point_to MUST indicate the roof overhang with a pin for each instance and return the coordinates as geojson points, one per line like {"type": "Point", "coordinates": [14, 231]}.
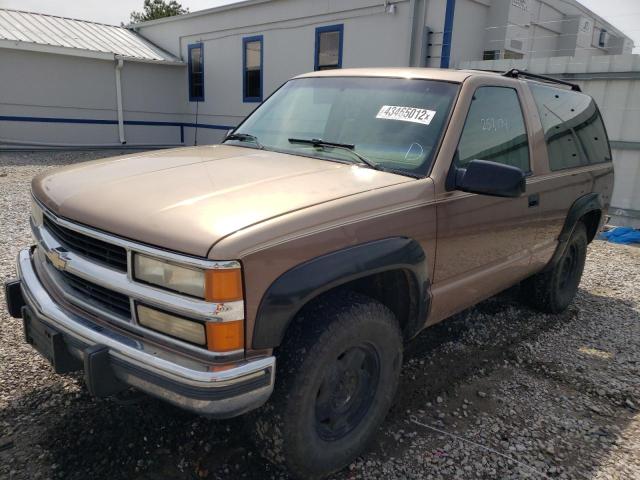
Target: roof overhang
{"type": "Point", "coordinates": [79, 52]}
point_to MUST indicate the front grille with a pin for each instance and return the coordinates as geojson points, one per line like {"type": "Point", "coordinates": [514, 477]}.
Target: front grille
{"type": "Point", "coordinates": [103, 252]}
{"type": "Point", "coordinates": [103, 297]}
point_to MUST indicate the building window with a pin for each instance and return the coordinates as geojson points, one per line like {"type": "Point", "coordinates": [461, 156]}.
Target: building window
{"type": "Point", "coordinates": [252, 56]}
{"type": "Point", "coordinates": [491, 55]}
{"type": "Point", "coordinates": [329, 47]}
{"type": "Point", "coordinates": [602, 39]}
{"type": "Point", "coordinates": [196, 73]}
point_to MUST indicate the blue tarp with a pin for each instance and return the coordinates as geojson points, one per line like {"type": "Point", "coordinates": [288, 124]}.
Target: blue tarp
{"type": "Point", "coordinates": [624, 235]}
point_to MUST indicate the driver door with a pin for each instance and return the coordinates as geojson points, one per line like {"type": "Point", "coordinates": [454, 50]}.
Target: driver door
{"type": "Point", "coordinates": [484, 242]}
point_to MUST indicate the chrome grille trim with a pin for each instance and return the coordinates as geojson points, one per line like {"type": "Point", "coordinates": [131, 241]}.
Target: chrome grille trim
{"type": "Point", "coordinates": [45, 270]}
{"type": "Point", "coordinates": [116, 302]}
{"type": "Point", "coordinates": [92, 248]}
{"type": "Point", "coordinates": [121, 282]}
{"type": "Point", "coordinates": [52, 275]}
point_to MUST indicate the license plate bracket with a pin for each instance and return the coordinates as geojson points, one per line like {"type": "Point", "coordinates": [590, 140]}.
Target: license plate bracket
{"type": "Point", "coordinates": [49, 343]}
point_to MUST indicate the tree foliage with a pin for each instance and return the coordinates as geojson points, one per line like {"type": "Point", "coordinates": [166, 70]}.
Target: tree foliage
{"type": "Point", "coordinates": [154, 9]}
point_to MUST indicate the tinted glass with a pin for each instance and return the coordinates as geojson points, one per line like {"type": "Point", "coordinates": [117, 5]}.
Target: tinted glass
{"type": "Point", "coordinates": [396, 123]}
{"type": "Point", "coordinates": [253, 69]}
{"type": "Point", "coordinates": [573, 127]}
{"type": "Point", "coordinates": [494, 129]}
{"type": "Point", "coordinates": [196, 74]}
{"type": "Point", "coordinates": [328, 50]}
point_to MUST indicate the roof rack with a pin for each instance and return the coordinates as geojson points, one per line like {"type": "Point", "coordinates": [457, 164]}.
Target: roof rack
{"type": "Point", "coordinates": [515, 73]}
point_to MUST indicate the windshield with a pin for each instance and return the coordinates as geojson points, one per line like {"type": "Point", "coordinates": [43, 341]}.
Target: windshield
{"type": "Point", "coordinates": [394, 124]}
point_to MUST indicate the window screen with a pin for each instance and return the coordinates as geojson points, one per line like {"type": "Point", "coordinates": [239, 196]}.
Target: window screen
{"type": "Point", "coordinates": [196, 73]}
{"type": "Point", "coordinates": [573, 127]}
{"type": "Point", "coordinates": [252, 55]}
{"type": "Point", "coordinates": [494, 129]}
{"type": "Point", "coordinates": [491, 55]}
{"type": "Point", "coordinates": [329, 47]}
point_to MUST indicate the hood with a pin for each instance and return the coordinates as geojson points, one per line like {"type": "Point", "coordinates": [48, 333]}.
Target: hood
{"type": "Point", "coordinates": [187, 199]}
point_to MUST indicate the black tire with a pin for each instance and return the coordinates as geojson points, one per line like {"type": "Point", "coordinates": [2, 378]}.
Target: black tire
{"type": "Point", "coordinates": [337, 374]}
{"type": "Point", "coordinates": [552, 290]}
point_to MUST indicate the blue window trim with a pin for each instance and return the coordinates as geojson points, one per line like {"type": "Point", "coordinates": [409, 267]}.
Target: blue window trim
{"type": "Point", "coordinates": [447, 35]}
{"type": "Point", "coordinates": [330, 28]}
{"type": "Point", "coordinates": [199, 45]}
{"type": "Point", "coordinates": [245, 40]}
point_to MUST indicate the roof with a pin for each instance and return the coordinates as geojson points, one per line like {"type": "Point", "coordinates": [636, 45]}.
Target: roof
{"type": "Point", "coordinates": [49, 33]}
{"type": "Point", "coordinates": [447, 75]}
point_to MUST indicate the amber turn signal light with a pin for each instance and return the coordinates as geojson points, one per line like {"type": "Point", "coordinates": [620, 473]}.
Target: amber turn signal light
{"type": "Point", "coordinates": [225, 336]}
{"type": "Point", "coordinates": [223, 285]}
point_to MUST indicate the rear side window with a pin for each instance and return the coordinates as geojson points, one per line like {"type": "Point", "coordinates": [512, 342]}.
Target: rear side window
{"type": "Point", "coordinates": [573, 128]}
{"type": "Point", "coordinates": [494, 129]}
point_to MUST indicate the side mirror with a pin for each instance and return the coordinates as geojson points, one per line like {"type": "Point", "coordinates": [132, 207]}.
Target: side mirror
{"type": "Point", "coordinates": [489, 178]}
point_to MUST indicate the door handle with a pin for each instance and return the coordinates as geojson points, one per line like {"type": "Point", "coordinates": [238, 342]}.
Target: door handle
{"type": "Point", "coordinates": [534, 200]}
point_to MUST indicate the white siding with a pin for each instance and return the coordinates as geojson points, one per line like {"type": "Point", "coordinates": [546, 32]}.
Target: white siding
{"type": "Point", "coordinates": [372, 37]}
{"type": "Point", "coordinates": [62, 87]}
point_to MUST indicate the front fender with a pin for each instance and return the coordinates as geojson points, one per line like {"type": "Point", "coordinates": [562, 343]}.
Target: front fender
{"type": "Point", "coordinates": [294, 288]}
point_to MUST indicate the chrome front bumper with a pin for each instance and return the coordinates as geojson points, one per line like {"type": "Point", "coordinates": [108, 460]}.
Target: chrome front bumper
{"type": "Point", "coordinates": [188, 383]}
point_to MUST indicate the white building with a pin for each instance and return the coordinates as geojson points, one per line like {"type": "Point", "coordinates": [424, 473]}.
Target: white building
{"type": "Point", "coordinates": [71, 82]}
{"type": "Point", "coordinates": [61, 77]}
{"type": "Point", "coordinates": [259, 44]}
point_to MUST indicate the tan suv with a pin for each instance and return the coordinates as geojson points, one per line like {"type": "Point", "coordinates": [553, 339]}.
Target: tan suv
{"type": "Point", "coordinates": [291, 263]}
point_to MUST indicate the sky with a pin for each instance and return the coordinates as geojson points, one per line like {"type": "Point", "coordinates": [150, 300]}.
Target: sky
{"type": "Point", "coordinates": [623, 14]}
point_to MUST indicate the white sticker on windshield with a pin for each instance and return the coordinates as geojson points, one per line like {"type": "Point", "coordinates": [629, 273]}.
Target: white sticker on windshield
{"type": "Point", "coordinates": [406, 114]}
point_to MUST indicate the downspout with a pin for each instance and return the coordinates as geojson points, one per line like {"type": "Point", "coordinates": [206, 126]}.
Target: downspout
{"type": "Point", "coordinates": [119, 65]}
{"type": "Point", "coordinates": [413, 5]}
{"type": "Point", "coordinates": [447, 34]}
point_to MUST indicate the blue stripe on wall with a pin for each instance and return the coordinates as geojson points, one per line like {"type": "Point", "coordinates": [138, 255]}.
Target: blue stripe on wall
{"type": "Point", "coordinates": [448, 34]}
{"type": "Point", "coordinates": [93, 121]}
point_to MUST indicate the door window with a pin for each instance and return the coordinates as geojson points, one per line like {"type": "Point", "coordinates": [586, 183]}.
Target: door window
{"type": "Point", "coordinates": [494, 129]}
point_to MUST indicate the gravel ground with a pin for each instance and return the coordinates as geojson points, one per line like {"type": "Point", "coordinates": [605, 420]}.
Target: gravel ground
{"type": "Point", "coordinates": [500, 391]}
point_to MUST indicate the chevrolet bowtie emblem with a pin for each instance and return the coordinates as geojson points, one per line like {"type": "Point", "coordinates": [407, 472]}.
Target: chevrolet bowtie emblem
{"type": "Point", "coordinates": [58, 257]}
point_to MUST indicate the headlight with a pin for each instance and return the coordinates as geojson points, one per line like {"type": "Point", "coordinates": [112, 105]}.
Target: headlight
{"type": "Point", "coordinates": [193, 332]}
{"type": "Point", "coordinates": [168, 275]}
{"type": "Point", "coordinates": [215, 336]}
{"type": "Point", "coordinates": [217, 285]}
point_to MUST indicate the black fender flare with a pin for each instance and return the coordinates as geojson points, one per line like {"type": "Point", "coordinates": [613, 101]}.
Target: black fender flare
{"type": "Point", "coordinates": [293, 289]}
{"type": "Point", "coordinates": [587, 203]}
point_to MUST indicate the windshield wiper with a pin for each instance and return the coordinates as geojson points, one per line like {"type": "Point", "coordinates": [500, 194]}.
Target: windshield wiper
{"type": "Point", "coordinates": [319, 143]}
{"type": "Point", "coordinates": [245, 137]}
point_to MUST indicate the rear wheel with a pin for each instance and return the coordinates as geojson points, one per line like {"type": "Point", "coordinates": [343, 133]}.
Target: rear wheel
{"type": "Point", "coordinates": [337, 374]}
{"type": "Point", "coordinates": [553, 290]}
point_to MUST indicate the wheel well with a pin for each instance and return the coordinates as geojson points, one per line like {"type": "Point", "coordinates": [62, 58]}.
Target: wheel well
{"type": "Point", "coordinates": [591, 220]}
{"type": "Point", "coordinates": [397, 290]}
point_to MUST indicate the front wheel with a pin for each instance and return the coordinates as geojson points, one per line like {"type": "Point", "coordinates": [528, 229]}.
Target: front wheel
{"type": "Point", "coordinates": [338, 371]}
{"type": "Point", "coordinates": [553, 290]}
